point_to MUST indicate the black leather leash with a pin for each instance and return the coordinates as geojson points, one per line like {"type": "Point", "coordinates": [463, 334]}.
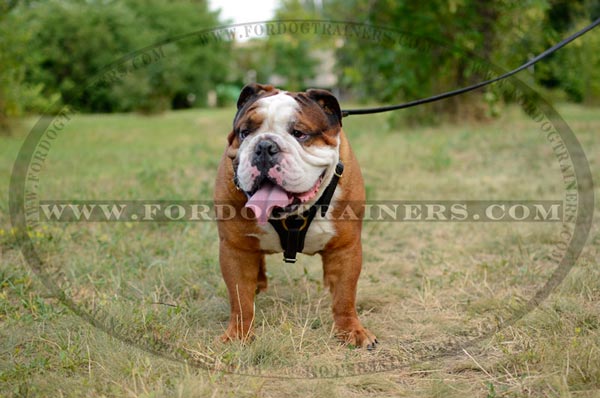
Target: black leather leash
{"type": "Point", "coordinates": [463, 90]}
{"type": "Point", "coordinates": [292, 229]}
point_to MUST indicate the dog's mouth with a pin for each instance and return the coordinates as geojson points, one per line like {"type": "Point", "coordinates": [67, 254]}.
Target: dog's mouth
{"type": "Point", "coordinates": [270, 198]}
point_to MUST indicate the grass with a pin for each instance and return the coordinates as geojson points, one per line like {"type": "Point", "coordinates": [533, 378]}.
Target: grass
{"type": "Point", "coordinates": [424, 287]}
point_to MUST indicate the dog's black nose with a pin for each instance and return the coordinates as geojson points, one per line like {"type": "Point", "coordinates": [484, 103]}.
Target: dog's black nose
{"type": "Point", "coordinates": [266, 148]}
{"type": "Point", "coordinates": [265, 154]}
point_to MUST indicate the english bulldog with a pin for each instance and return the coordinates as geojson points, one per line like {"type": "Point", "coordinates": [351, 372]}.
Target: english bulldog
{"type": "Point", "coordinates": [281, 157]}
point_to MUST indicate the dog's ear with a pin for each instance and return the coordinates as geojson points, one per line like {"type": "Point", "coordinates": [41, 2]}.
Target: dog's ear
{"type": "Point", "coordinates": [252, 91]}
{"type": "Point", "coordinates": [328, 103]}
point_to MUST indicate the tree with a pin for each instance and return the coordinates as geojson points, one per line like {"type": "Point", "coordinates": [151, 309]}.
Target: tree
{"type": "Point", "coordinates": [73, 41]}
{"type": "Point", "coordinates": [575, 69]}
{"type": "Point", "coordinates": [454, 39]}
{"type": "Point", "coordinates": [436, 46]}
{"type": "Point", "coordinates": [16, 95]}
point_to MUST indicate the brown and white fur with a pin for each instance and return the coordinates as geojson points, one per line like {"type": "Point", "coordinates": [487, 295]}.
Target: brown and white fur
{"type": "Point", "coordinates": [305, 135]}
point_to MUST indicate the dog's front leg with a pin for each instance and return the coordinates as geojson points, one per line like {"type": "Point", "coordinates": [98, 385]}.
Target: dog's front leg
{"type": "Point", "coordinates": [341, 269]}
{"type": "Point", "coordinates": [240, 269]}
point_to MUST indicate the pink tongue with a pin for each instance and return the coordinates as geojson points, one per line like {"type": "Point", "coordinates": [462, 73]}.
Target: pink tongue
{"type": "Point", "coordinates": [267, 197]}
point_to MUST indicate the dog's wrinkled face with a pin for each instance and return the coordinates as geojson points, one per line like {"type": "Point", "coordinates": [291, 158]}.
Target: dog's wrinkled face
{"type": "Point", "coordinates": [284, 147]}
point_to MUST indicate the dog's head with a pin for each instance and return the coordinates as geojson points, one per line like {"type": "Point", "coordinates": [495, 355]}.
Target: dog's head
{"type": "Point", "coordinates": [284, 147]}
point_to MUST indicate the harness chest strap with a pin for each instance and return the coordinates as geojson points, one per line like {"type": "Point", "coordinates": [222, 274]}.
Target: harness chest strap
{"type": "Point", "coordinates": [292, 229]}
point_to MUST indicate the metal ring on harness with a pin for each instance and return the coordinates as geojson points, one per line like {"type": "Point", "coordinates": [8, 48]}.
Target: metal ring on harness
{"type": "Point", "coordinates": [283, 222]}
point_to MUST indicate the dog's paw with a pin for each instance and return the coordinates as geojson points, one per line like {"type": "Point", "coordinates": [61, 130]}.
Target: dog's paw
{"type": "Point", "coordinates": [261, 285]}
{"type": "Point", "coordinates": [234, 333]}
{"type": "Point", "coordinates": [358, 336]}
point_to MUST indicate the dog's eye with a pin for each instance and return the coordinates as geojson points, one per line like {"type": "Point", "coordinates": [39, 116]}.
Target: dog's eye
{"type": "Point", "coordinates": [243, 134]}
{"type": "Point", "coordinates": [299, 135]}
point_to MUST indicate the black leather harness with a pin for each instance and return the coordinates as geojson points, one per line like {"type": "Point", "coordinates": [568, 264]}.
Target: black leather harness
{"type": "Point", "coordinates": [292, 229]}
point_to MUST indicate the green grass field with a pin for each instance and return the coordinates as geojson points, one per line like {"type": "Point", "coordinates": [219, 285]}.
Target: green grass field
{"type": "Point", "coordinates": [426, 287]}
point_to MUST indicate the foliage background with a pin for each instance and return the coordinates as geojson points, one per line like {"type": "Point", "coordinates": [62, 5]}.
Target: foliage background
{"type": "Point", "coordinates": [50, 48]}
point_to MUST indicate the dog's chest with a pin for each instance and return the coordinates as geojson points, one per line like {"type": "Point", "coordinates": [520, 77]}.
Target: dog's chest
{"type": "Point", "coordinates": [318, 235]}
